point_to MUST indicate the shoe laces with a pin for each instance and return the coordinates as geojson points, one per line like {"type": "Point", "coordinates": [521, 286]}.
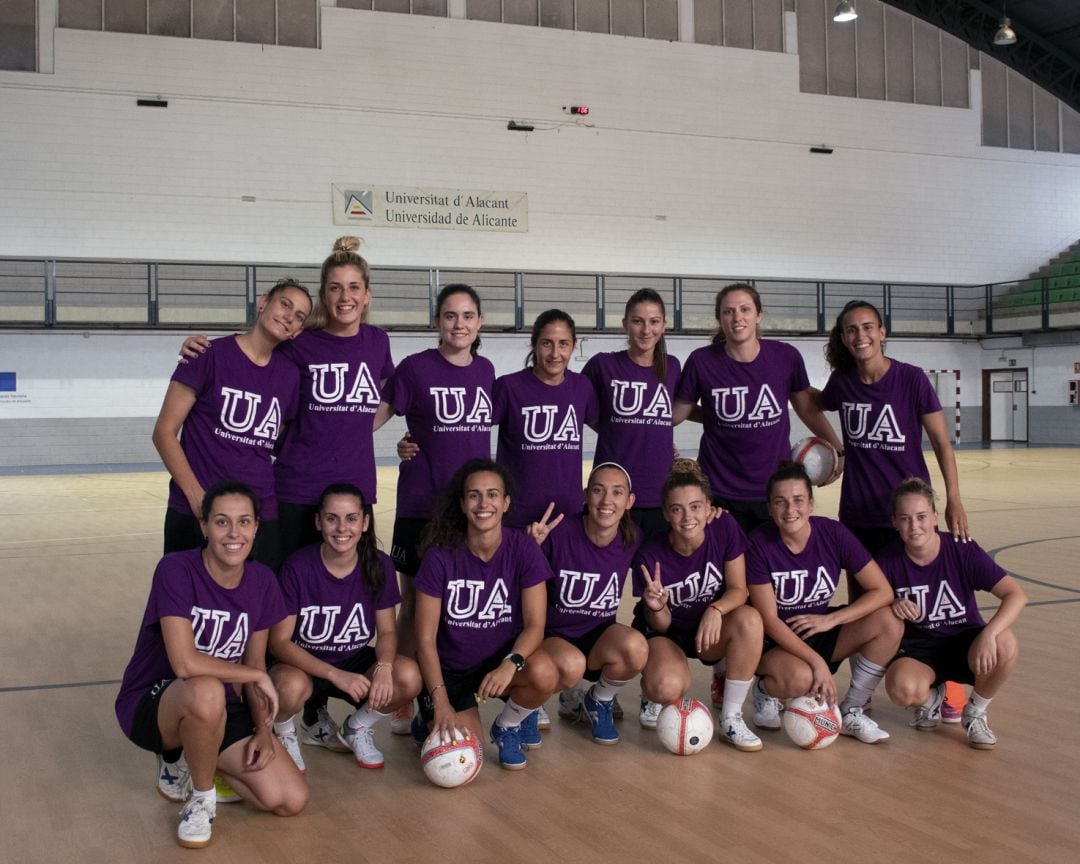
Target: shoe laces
{"type": "Point", "coordinates": [197, 811]}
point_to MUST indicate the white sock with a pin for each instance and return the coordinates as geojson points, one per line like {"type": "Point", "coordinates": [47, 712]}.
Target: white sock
{"type": "Point", "coordinates": [979, 704]}
{"type": "Point", "coordinates": [734, 696]}
{"type": "Point", "coordinates": [365, 716]}
{"type": "Point", "coordinates": [865, 677]}
{"type": "Point", "coordinates": [512, 715]}
{"type": "Point", "coordinates": [606, 689]}
{"type": "Point", "coordinates": [284, 727]}
{"type": "Point", "coordinates": [210, 794]}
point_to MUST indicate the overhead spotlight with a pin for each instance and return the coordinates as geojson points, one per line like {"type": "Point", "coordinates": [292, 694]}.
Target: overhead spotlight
{"type": "Point", "coordinates": [1005, 35]}
{"type": "Point", "coordinates": [845, 11]}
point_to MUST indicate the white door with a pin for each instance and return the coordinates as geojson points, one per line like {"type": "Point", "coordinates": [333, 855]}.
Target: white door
{"type": "Point", "coordinates": [1008, 405]}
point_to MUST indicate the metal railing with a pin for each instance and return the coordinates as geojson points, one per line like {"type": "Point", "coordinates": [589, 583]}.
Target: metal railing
{"type": "Point", "coordinates": [92, 294]}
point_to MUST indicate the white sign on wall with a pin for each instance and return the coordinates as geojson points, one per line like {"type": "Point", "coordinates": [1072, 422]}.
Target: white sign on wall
{"type": "Point", "coordinates": [417, 207]}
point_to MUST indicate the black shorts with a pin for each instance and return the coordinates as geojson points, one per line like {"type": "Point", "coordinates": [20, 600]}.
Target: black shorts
{"type": "Point", "coordinates": [749, 514]}
{"type": "Point", "coordinates": [462, 684]}
{"type": "Point", "coordinates": [360, 663]}
{"type": "Point", "coordinates": [405, 545]}
{"type": "Point", "coordinates": [183, 532]}
{"type": "Point", "coordinates": [296, 526]}
{"type": "Point", "coordinates": [684, 638]}
{"type": "Point", "coordinates": [146, 734]}
{"type": "Point", "coordinates": [649, 520]}
{"type": "Point", "coordinates": [946, 655]}
{"type": "Point", "coordinates": [585, 643]}
{"type": "Point", "coordinates": [823, 644]}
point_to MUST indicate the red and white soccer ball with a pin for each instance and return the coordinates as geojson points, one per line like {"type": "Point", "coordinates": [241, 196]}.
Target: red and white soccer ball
{"type": "Point", "coordinates": [451, 760]}
{"type": "Point", "coordinates": [818, 458]}
{"type": "Point", "coordinates": [685, 727]}
{"type": "Point", "coordinates": [811, 724]}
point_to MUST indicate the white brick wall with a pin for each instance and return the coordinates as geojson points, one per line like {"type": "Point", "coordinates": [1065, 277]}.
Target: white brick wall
{"type": "Point", "coordinates": [714, 139]}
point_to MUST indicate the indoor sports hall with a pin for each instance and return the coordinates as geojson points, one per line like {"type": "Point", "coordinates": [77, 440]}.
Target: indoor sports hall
{"type": "Point", "coordinates": [165, 163]}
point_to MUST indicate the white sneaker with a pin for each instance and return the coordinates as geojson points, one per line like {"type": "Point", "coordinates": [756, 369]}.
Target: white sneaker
{"type": "Point", "coordinates": [649, 713]}
{"type": "Point", "coordinates": [287, 738]}
{"type": "Point", "coordinates": [929, 715]}
{"type": "Point", "coordinates": [858, 725]}
{"type": "Point", "coordinates": [978, 729]}
{"type": "Point", "coordinates": [195, 821]}
{"type": "Point", "coordinates": [734, 731]}
{"type": "Point", "coordinates": [401, 720]}
{"type": "Point", "coordinates": [766, 709]}
{"type": "Point", "coordinates": [173, 779]}
{"type": "Point", "coordinates": [323, 733]}
{"type": "Point", "coordinates": [569, 703]}
{"type": "Point", "coordinates": [362, 745]}
{"type": "Point", "coordinates": [543, 721]}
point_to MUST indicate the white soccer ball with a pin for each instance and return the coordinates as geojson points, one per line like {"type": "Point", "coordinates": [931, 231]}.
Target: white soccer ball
{"type": "Point", "coordinates": [685, 727]}
{"type": "Point", "coordinates": [817, 456]}
{"type": "Point", "coordinates": [811, 724]}
{"type": "Point", "coordinates": [451, 760]}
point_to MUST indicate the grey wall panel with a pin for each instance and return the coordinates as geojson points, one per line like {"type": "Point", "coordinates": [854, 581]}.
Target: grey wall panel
{"type": "Point", "coordinates": [1047, 128]}
{"type": "Point", "coordinates": [1021, 111]}
{"type": "Point", "coordinates": [1070, 130]}
{"type": "Point", "coordinates": [521, 12]}
{"type": "Point", "coordinates": [955, 78]}
{"type": "Point", "coordinates": [125, 16]}
{"type": "Point", "coordinates": [80, 14]}
{"type": "Point", "coordinates": [927, 53]}
{"type": "Point", "coordinates": [840, 41]}
{"type": "Point", "coordinates": [870, 50]}
{"type": "Point", "coordinates": [255, 21]}
{"type": "Point", "coordinates": [739, 23]}
{"type": "Point", "coordinates": [662, 19]}
{"type": "Point", "coordinates": [995, 113]}
{"type": "Point", "coordinates": [298, 23]}
{"type": "Point", "coordinates": [557, 13]}
{"type": "Point", "coordinates": [769, 25]}
{"type": "Point", "coordinates": [213, 19]}
{"type": "Point", "coordinates": [593, 16]}
{"type": "Point", "coordinates": [627, 18]}
{"type": "Point", "coordinates": [708, 22]}
{"type": "Point", "coordinates": [170, 17]}
{"type": "Point", "coordinates": [899, 63]}
{"type": "Point", "coordinates": [811, 34]}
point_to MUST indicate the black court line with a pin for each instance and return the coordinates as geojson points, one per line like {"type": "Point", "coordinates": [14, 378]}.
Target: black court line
{"type": "Point", "coordinates": [58, 686]}
{"type": "Point", "coordinates": [993, 553]}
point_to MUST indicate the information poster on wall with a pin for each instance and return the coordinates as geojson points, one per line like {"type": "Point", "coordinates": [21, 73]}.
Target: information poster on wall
{"type": "Point", "coordinates": [419, 207]}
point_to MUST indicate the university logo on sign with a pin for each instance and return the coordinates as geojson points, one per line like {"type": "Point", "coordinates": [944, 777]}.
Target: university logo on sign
{"type": "Point", "coordinates": [358, 203]}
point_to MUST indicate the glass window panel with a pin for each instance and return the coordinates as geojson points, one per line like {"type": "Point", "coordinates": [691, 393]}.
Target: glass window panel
{"type": "Point", "coordinates": [255, 21]}
{"type": "Point", "coordinates": [80, 14]}
{"type": "Point", "coordinates": [954, 72]}
{"type": "Point", "coordinates": [769, 25]}
{"type": "Point", "coordinates": [557, 13]}
{"type": "Point", "coordinates": [592, 16]}
{"type": "Point", "coordinates": [484, 10]}
{"type": "Point", "coordinates": [810, 19]}
{"type": "Point", "coordinates": [125, 16]}
{"type": "Point", "coordinates": [1046, 121]}
{"type": "Point", "coordinates": [1021, 111]}
{"type": "Point", "coordinates": [708, 22]}
{"type": "Point", "coordinates": [520, 12]}
{"type": "Point", "coordinates": [662, 19]}
{"type": "Point", "coordinates": [995, 112]}
{"type": "Point", "coordinates": [870, 51]}
{"type": "Point", "coordinates": [927, 52]}
{"type": "Point", "coordinates": [739, 23]}
{"type": "Point", "coordinates": [298, 23]}
{"type": "Point", "coordinates": [18, 36]}
{"type": "Point", "coordinates": [170, 17]}
{"type": "Point", "coordinates": [213, 19]}
{"type": "Point", "coordinates": [628, 17]}
{"type": "Point", "coordinates": [841, 44]}
{"type": "Point", "coordinates": [899, 65]}
{"type": "Point", "coordinates": [429, 7]}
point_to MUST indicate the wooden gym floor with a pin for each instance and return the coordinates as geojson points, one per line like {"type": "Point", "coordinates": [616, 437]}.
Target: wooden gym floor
{"type": "Point", "coordinates": [78, 551]}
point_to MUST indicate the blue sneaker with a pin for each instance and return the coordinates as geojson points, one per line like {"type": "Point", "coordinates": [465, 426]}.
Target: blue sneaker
{"type": "Point", "coordinates": [419, 729]}
{"type": "Point", "coordinates": [511, 756]}
{"type": "Point", "coordinates": [600, 715]}
{"type": "Point", "coordinates": [530, 731]}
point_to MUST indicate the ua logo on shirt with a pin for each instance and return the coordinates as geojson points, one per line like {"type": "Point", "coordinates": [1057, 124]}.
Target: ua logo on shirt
{"type": "Point", "coordinates": [885, 428]}
{"type": "Point", "coordinates": [328, 384]}
{"type": "Point", "coordinates": [450, 406]}
{"type": "Point", "coordinates": [792, 588]}
{"type": "Point", "coordinates": [628, 400]}
{"type": "Point", "coordinates": [240, 414]}
{"type": "Point", "coordinates": [317, 625]}
{"type": "Point", "coordinates": [946, 606]}
{"type": "Point", "coordinates": [697, 586]}
{"type": "Point", "coordinates": [541, 423]}
{"type": "Point", "coordinates": [467, 599]}
{"type": "Point", "coordinates": [730, 404]}
{"type": "Point", "coordinates": [214, 635]}
{"type": "Point", "coordinates": [576, 591]}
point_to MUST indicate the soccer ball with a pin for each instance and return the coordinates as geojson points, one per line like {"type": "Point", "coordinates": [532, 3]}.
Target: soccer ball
{"type": "Point", "coordinates": [817, 456]}
{"type": "Point", "coordinates": [451, 760]}
{"type": "Point", "coordinates": [685, 727]}
{"type": "Point", "coordinates": [811, 724]}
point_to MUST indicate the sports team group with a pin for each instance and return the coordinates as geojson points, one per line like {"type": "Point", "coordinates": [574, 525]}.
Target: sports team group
{"type": "Point", "coordinates": [505, 577]}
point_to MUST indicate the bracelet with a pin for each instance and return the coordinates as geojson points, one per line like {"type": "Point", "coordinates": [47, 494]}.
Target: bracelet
{"type": "Point", "coordinates": [383, 665]}
{"type": "Point", "coordinates": [716, 608]}
{"type": "Point", "coordinates": [431, 692]}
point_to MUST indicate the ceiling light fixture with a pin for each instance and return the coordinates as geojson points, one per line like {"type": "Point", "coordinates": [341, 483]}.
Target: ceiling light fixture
{"type": "Point", "coordinates": [845, 11]}
{"type": "Point", "coordinates": [1005, 34]}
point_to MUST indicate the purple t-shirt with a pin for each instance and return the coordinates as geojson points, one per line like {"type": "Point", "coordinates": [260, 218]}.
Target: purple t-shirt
{"type": "Point", "coordinates": [882, 426]}
{"type": "Point", "coordinates": [240, 410]}
{"type": "Point", "coordinates": [944, 590]}
{"type": "Point", "coordinates": [635, 420]}
{"type": "Point", "coordinates": [222, 619]}
{"type": "Point", "coordinates": [331, 440]}
{"type": "Point", "coordinates": [744, 413]}
{"type": "Point", "coordinates": [540, 429]}
{"type": "Point", "coordinates": [481, 600]}
{"type": "Point", "coordinates": [694, 580]}
{"type": "Point", "coordinates": [588, 582]}
{"type": "Point", "coordinates": [804, 582]}
{"type": "Point", "coordinates": [335, 618]}
{"type": "Point", "coordinates": [447, 409]}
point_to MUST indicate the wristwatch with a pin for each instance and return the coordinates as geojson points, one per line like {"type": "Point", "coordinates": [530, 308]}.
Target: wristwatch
{"type": "Point", "coordinates": [517, 660]}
